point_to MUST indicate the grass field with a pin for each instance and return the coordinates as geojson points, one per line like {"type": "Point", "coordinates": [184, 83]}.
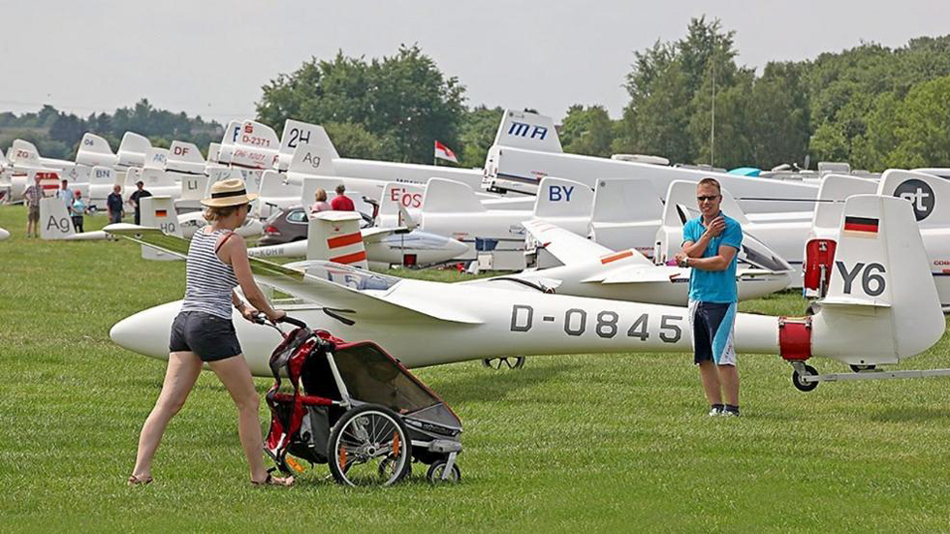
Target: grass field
{"type": "Point", "coordinates": [570, 443]}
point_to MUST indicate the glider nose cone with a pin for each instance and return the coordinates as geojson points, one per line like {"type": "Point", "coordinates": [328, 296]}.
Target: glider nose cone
{"type": "Point", "coordinates": [146, 332]}
{"type": "Point", "coordinates": [455, 247]}
{"type": "Point", "coordinates": [123, 333]}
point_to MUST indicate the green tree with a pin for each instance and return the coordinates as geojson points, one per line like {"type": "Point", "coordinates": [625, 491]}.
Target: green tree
{"type": "Point", "coordinates": [924, 127]}
{"type": "Point", "coordinates": [477, 133]}
{"type": "Point", "coordinates": [404, 100]}
{"type": "Point", "coordinates": [733, 142]}
{"type": "Point", "coordinates": [669, 86]}
{"type": "Point", "coordinates": [353, 141]}
{"type": "Point", "coordinates": [778, 116]}
{"type": "Point", "coordinates": [587, 131]}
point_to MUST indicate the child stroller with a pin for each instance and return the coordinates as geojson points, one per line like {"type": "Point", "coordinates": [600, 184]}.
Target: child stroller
{"type": "Point", "coordinates": [358, 409]}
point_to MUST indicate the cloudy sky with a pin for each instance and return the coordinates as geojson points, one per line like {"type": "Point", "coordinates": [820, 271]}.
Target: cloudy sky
{"type": "Point", "coordinates": [211, 57]}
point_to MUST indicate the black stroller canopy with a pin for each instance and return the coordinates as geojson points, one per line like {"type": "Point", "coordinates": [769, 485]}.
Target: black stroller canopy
{"type": "Point", "coordinates": [373, 376]}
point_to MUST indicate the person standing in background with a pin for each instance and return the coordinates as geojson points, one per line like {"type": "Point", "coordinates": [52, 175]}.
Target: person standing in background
{"type": "Point", "coordinates": [31, 198]}
{"type": "Point", "coordinates": [78, 210]}
{"type": "Point", "coordinates": [66, 194]}
{"type": "Point", "coordinates": [341, 202]}
{"type": "Point", "coordinates": [711, 243]}
{"type": "Point", "coordinates": [114, 205]}
{"type": "Point", "coordinates": [320, 201]}
{"type": "Point", "coordinates": [134, 198]}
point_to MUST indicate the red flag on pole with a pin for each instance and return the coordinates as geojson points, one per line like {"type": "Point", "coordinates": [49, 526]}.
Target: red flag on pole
{"type": "Point", "coordinates": [444, 152]}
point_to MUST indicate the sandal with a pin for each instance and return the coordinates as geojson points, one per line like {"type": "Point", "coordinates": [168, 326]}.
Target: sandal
{"type": "Point", "coordinates": [271, 481]}
{"type": "Point", "coordinates": [136, 481]}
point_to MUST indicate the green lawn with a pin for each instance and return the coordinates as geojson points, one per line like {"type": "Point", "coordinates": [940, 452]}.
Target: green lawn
{"type": "Point", "coordinates": [570, 443]}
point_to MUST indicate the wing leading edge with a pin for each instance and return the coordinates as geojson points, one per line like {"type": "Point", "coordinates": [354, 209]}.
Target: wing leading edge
{"type": "Point", "coordinates": [295, 280]}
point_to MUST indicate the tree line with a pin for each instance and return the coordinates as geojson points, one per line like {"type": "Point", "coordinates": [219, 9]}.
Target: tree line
{"type": "Point", "coordinates": [57, 134]}
{"type": "Point", "coordinates": [689, 101]}
{"type": "Point", "coordinates": [872, 106]}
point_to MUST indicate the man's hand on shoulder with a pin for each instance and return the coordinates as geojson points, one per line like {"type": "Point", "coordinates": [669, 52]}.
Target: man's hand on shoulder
{"type": "Point", "coordinates": [716, 227]}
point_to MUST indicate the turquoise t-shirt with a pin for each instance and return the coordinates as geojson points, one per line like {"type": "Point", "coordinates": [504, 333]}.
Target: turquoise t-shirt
{"type": "Point", "coordinates": [79, 207]}
{"type": "Point", "coordinates": [714, 286]}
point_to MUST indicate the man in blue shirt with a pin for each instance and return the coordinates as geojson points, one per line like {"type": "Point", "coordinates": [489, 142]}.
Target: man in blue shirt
{"type": "Point", "coordinates": [710, 244]}
{"type": "Point", "coordinates": [114, 205]}
{"type": "Point", "coordinates": [66, 195]}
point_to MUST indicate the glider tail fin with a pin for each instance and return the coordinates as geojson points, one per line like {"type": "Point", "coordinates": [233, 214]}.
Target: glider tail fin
{"type": "Point", "coordinates": [335, 236]}
{"type": "Point", "coordinates": [95, 150]}
{"type": "Point", "coordinates": [531, 131]}
{"type": "Point", "coordinates": [159, 212]}
{"type": "Point", "coordinates": [55, 222]}
{"type": "Point", "coordinates": [449, 196]}
{"type": "Point", "coordinates": [558, 197]}
{"type": "Point", "coordinates": [398, 198]}
{"type": "Point", "coordinates": [881, 291]}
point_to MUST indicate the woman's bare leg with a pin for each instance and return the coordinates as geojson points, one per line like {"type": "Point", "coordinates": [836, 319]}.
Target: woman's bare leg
{"type": "Point", "coordinates": [236, 377]}
{"type": "Point", "coordinates": [180, 377]}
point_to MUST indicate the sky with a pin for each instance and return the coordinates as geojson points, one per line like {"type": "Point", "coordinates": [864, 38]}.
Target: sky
{"type": "Point", "coordinates": [211, 57]}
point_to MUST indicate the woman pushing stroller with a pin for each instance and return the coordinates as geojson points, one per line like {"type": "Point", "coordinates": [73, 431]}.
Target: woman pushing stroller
{"type": "Point", "coordinates": [203, 333]}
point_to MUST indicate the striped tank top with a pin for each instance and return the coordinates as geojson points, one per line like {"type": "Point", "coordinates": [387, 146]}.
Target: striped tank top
{"type": "Point", "coordinates": [209, 280]}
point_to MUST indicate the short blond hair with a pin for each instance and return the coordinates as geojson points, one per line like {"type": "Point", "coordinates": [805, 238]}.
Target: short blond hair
{"type": "Point", "coordinates": [710, 181]}
{"type": "Point", "coordinates": [320, 195]}
{"type": "Point", "coordinates": [214, 214]}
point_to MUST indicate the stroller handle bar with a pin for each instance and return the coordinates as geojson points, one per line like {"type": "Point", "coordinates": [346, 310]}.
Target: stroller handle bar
{"type": "Point", "coordinates": [290, 320]}
{"type": "Point", "coordinates": [260, 318]}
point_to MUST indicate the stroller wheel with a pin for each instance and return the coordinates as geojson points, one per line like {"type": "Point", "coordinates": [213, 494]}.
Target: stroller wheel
{"type": "Point", "coordinates": [369, 446]}
{"type": "Point", "coordinates": [386, 466]}
{"type": "Point", "coordinates": [437, 470]}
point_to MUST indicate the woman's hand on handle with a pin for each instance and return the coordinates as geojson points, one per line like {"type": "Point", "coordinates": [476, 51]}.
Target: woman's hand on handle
{"type": "Point", "coordinates": [249, 313]}
{"type": "Point", "coordinates": [276, 315]}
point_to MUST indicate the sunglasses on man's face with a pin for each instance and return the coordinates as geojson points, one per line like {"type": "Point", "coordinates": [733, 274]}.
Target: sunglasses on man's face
{"type": "Point", "coordinates": [704, 198]}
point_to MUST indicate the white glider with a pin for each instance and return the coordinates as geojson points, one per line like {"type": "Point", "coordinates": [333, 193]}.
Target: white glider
{"type": "Point", "coordinates": [881, 308]}
{"type": "Point", "coordinates": [336, 236]}
{"type": "Point", "coordinates": [592, 270]}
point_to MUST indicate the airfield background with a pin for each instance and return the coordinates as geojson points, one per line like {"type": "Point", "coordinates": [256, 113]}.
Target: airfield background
{"type": "Point", "coordinates": [873, 106]}
{"type": "Point", "coordinates": [582, 442]}
{"type": "Point", "coordinates": [569, 443]}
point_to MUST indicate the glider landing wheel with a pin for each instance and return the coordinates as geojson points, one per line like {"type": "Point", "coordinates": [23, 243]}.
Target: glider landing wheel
{"type": "Point", "coordinates": [513, 362]}
{"type": "Point", "coordinates": [860, 368]}
{"type": "Point", "coordinates": [436, 471]}
{"type": "Point", "coordinates": [797, 379]}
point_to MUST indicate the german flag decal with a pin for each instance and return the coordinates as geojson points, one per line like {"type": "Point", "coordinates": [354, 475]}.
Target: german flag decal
{"type": "Point", "coordinates": [161, 213]}
{"type": "Point", "coordinates": [860, 224]}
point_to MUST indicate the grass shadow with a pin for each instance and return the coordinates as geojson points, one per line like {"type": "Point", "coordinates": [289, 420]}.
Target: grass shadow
{"type": "Point", "coordinates": [492, 385]}
{"type": "Point", "coordinates": [910, 415]}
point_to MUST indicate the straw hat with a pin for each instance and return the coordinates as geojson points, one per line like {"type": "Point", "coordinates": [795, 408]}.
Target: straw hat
{"type": "Point", "coordinates": [228, 193]}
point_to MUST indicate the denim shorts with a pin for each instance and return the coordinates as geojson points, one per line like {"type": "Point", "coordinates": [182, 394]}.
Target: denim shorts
{"type": "Point", "coordinates": [210, 337]}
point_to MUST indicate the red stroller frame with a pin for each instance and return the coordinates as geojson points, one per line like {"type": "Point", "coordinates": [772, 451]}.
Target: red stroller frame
{"type": "Point", "coordinates": [356, 408]}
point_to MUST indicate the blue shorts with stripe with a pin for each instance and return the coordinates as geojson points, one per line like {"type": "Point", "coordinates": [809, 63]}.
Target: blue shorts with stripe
{"type": "Point", "coordinates": [713, 326]}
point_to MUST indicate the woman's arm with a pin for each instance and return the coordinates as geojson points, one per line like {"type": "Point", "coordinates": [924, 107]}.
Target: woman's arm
{"type": "Point", "coordinates": [234, 252]}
